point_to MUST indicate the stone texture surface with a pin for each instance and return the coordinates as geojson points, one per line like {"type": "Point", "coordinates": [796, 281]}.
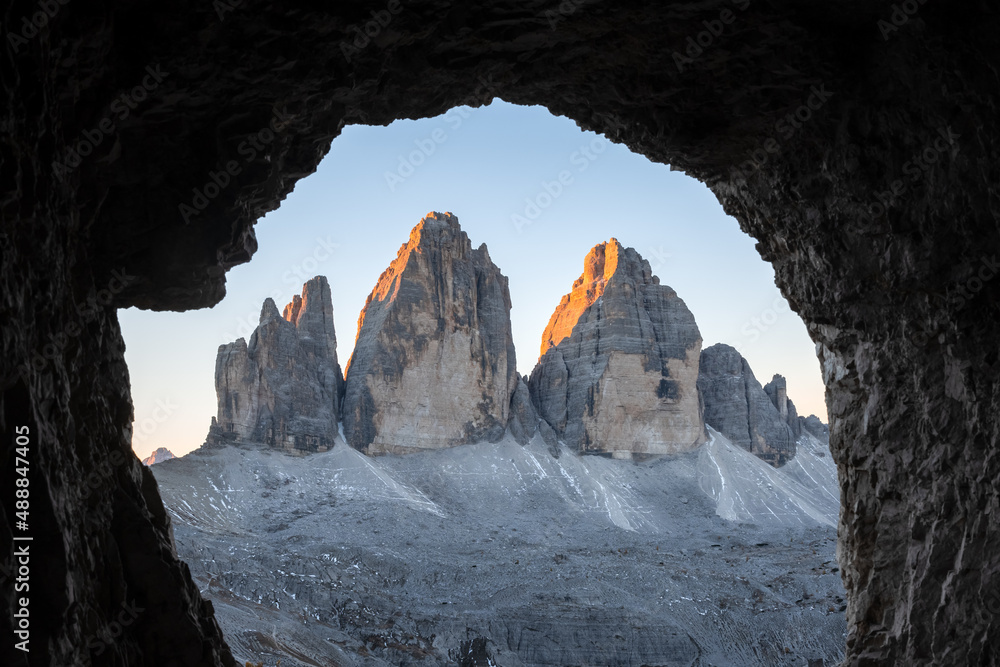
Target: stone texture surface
{"type": "Point", "coordinates": [339, 555]}
{"type": "Point", "coordinates": [777, 391]}
{"type": "Point", "coordinates": [889, 258]}
{"type": "Point", "coordinates": [739, 408]}
{"type": "Point", "coordinates": [815, 426]}
{"type": "Point", "coordinates": [523, 419]}
{"type": "Point", "coordinates": [619, 361]}
{"type": "Point", "coordinates": [434, 363]}
{"type": "Point", "coordinates": [284, 388]}
{"type": "Point", "coordinates": [159, 456]}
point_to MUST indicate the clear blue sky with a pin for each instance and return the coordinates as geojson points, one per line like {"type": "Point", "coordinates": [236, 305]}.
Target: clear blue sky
{"type": "Point", "coordinates": [490, 167]}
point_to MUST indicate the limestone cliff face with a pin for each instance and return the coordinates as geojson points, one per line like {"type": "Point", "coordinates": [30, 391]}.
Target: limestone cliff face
{"type": "Point", "coordinates": [434, 363]}
{"type": "Point", "coordinates": [284, 388]}
{"type": "Point", "coordinates": [751, 416]}
{"type": "Point", "coordinates": [523, 419]}
{"type": "Point", "coordinates": [777, 391]}
{"type": "Point", "coordinates": [619, 361]}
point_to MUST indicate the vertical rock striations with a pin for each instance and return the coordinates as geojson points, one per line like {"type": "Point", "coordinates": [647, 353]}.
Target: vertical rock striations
{"type": "Point", "coordinates": [284, 388]}
{"type": "Point", "coordinates": [619, 361]}
{"type": "Point", "coordinates": [777, 391]}
{"type": "Point", "coordinates": [523, 419]}
{"type": "Point", "coordinates": [434, 364]}
{"type": "Point", "coordinates": [740, 409]}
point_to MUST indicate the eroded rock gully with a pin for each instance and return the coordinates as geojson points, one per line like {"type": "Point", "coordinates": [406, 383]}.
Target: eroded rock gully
{"type": "Point", "coordinates": [856, 142]}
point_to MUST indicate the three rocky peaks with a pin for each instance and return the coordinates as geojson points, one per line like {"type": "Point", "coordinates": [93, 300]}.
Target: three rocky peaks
{"type": "Point", "coordinates": [621, 370]}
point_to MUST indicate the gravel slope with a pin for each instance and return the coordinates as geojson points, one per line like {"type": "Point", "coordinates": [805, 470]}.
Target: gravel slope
{"type": "Point", "coordinates": [497, 554]}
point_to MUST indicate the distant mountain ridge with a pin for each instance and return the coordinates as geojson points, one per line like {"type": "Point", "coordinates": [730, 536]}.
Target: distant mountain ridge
{"type": "Point", "coordinates": [621, 372]}
{"type": "Point", "coordinates": [159, 456]}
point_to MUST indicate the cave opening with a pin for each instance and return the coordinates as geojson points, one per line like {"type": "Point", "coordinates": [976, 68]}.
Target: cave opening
{"type": "Point", "coordinates": [539, 192]}
{"type": "Point", "coordinates": [876, 213]}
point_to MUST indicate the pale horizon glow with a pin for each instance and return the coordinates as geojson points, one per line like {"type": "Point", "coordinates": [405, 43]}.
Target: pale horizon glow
{"type": "Point", "coordinates": [538, 191]}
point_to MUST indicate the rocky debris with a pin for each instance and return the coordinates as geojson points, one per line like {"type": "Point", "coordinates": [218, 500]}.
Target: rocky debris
{"type": "Point", "coordinates": [344, 559]}
{"type": "Point", "coordinates": [284, 388]}
{"type": "Point", "coordinates": [619, 361]}
{"type": "Point", "coordinates": [739, 408]}
{"type": "Point", "coordinates": [434, 363]}
{"type": "Point", "coordinates": [159, 456]}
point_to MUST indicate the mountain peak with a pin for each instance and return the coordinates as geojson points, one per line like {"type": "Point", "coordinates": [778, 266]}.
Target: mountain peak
{"type": "Point", "coordinates": [433, 363]}
{"type": "Point", "coordinates": [619, 361]}
{"type": "Point", "coordinates": [159, 456]}
{"type": "Point", "coordinates": [268, 310]}
{"type": "Point", "coordinates": [284, 387]}
{"type": "Point", "coordinates": [601, 265]}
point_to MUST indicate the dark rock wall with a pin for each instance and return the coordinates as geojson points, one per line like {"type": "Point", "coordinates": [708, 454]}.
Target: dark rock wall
{"type": "Point", "coordinates": [856, 142]}
{"type": "Point", "coordinates": [105, 586]}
